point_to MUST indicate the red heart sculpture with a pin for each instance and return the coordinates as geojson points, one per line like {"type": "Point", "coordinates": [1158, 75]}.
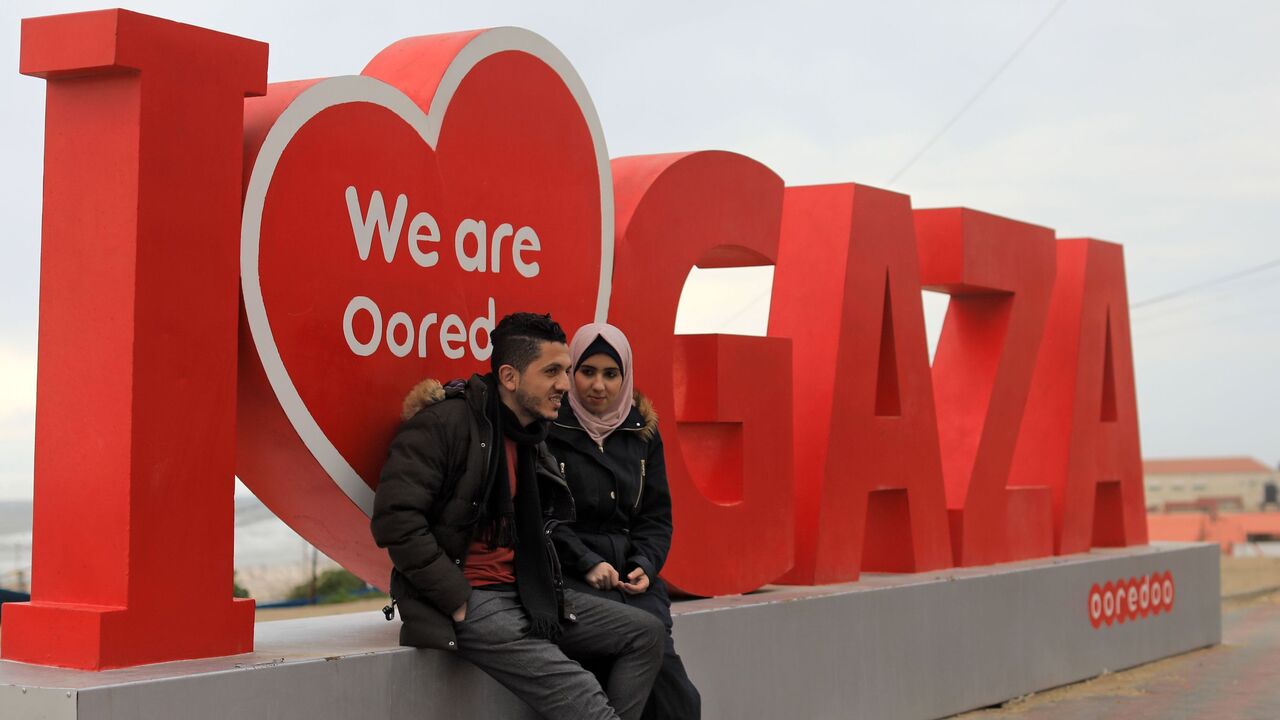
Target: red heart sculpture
{"type": "Point", "coordinates": [389, 220]}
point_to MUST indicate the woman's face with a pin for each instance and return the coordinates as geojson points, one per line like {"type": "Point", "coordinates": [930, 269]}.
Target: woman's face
{"type": "Point", "coordinates": [597, 382]}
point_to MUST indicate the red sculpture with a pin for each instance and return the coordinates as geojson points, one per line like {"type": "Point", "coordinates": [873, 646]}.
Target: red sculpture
{"type": "Point", "coordinates": [381, 224]}
{"type": "Point", "coordinates": [135, 436]}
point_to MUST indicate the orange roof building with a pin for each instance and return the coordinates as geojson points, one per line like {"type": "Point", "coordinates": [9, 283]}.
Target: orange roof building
{"type": "Point", "coordinates": [1209, 484]}
{"type": "Point", "coordinates": [1203, 466]}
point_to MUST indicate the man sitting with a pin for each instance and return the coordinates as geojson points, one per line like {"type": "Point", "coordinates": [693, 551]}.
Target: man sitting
{"type": "Point", "coordinates": [466, 506]}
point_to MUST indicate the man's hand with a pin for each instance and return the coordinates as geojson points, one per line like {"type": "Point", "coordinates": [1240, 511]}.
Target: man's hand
{"type": "Point", "coordinates": [639, 582]}
{"type": "Point", "coordinates": [602, 576]}
{"type": "Point", "coordinates": [460, 614]}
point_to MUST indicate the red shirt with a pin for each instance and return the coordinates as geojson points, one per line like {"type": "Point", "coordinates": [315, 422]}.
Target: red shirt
{"type": "Point", "coordinates": [486, 566]}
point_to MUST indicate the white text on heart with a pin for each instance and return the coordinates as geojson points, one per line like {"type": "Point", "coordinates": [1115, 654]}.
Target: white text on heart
{"type": "Point", "coordinates": [474, 248]}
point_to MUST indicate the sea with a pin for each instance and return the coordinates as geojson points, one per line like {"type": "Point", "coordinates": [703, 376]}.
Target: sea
{"type": "Point", "coordinates": [270, 558]}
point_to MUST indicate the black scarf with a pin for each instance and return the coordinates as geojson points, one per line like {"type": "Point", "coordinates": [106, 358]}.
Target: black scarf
{"type": "Point", "coordinates": [535, 580]}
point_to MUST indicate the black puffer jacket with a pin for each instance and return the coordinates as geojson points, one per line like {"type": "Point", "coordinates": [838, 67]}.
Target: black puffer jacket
{"type": "Point", "coordinates": [428, 500]}
{"type": "Point", "coordinates": [620, 494]}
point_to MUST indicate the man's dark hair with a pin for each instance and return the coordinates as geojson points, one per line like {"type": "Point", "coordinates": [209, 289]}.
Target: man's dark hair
{"type": "Point", "coordinates": [518, 338]}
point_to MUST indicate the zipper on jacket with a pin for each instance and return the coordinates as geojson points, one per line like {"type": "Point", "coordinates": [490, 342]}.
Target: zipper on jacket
{"type": "Point", "coordinates": [640, 494]}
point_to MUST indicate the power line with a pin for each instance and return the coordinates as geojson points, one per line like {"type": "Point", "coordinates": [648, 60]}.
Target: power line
{"type": "Point", "coordinates": [1172, 294]}
{"type": "Point", "coordinates": [1207, 283]}
{"type": "Point", "coordinates": [1194, 303]}
{"type": "Point", "coordinates": [981, 90]}
{"type": "Point", "coordinates": [1215, 322]}
{"type": "Point", "coordinates": [1218, 324]}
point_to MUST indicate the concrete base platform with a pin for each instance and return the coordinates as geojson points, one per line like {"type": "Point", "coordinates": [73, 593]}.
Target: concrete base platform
{"type": "Point", "coordinates": [888, 646]}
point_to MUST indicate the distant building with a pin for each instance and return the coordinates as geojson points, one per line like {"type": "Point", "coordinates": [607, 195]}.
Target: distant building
{"type": "Point", "coordinates": [1203, 484]}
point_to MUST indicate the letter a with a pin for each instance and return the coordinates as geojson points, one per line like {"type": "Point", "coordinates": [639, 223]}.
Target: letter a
{"type": "Point", "coordinates": [1080, 432]}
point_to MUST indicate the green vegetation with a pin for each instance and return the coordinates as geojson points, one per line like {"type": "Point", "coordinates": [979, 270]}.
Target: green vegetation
{"type": "Point", "coordinates": [331, 586]}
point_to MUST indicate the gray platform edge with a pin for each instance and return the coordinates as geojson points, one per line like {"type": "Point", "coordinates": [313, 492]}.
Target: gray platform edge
{"type": "Point", "coordinates": [888, 646]}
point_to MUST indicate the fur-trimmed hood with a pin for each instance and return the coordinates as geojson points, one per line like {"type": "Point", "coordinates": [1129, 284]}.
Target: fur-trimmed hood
{"type": "Point", "coordinates": [648, 416]}
{"type": "Point", "coordinates": [426, 393]}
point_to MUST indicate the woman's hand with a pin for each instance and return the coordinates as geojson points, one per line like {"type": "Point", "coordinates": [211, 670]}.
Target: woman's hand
{"type": "Point", "coordinates": [639, 582]}
{"type": "Point", "coordinates": [602, 577]}
{"type": "Point", "coordinates": [460, 614]}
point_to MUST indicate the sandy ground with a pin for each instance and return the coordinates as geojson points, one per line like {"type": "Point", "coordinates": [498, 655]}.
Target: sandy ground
{"type": "Point", "coordinates": [371, 605]}
{"type": "Point", "coordinates": [1249, 574]}
{"type": "Point", "coordinates": [273, 582]}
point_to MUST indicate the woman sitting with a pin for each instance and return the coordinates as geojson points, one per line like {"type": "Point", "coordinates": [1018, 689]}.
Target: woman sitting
{"type": "Point", "coordinates": [606, 440]}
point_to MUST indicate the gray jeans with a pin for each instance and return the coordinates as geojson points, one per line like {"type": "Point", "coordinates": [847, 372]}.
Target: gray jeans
{"type": "Point", "coordinates": [495, 637]}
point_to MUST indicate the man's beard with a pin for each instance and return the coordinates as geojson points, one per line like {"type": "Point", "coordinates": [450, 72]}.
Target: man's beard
{"type": "Point", "coordinates": [531, 404]}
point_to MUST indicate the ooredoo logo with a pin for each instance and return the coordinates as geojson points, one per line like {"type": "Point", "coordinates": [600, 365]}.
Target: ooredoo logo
{"type": "Point", "coordinates": [1128, 600]}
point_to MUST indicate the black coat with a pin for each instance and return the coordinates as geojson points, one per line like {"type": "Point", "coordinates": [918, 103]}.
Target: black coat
{"type": "Point", "coordinates": [624, 518]}
{"type": "Point", "coordinates": [428, 501]}
{"type": "Point", "coordinates": [620, 494]}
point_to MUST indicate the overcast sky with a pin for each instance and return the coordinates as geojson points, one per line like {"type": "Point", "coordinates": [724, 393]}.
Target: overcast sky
{"type": "Point", "coordinates": [1152, 124]}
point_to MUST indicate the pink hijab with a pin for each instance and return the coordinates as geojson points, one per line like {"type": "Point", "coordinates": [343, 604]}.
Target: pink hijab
{"type": "Point", "coordinates": [599, 426]}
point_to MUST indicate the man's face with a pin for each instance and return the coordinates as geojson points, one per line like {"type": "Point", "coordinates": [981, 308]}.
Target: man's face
{"type": "Point", "coordinates": [539, 390]}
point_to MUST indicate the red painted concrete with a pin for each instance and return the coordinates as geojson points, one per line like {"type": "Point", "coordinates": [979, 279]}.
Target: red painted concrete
{"type": "Point", "coordinates": [135, 432]}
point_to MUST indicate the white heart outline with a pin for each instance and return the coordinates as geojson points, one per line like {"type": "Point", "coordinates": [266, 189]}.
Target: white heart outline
{"type": "Point", "coordinates": [358, 88]}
